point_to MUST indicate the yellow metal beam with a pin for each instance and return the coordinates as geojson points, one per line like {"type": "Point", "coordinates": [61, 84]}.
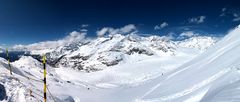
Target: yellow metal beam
{"type": "Point", "coordinates": [45, 81]}
{"type": "Point", "coordinates": [8, 58]}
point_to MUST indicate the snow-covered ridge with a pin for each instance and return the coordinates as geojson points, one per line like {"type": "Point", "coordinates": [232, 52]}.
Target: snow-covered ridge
{"type": "Point", "coordinates": [49, 46]}
{"type": "Point", "coordinates": [27, 61]}
{"type": "Point", "coordinates": [199, 42]}
{"type": "Point", "coordinates": [211, 77]}
{"type": "Point", "coordinates": [148, 74]}
{"type": "Point", "coordinates": [99, 53]}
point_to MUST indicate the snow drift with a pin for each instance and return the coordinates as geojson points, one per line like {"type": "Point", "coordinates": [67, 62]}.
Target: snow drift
{"type": "Point", "coordinates": [212, 76]}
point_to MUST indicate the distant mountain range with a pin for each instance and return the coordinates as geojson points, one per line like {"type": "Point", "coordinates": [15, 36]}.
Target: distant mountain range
{"type": "Point", "coordinates": [102, 52]}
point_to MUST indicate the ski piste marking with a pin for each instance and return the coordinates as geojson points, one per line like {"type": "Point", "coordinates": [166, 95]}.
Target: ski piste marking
{"type": "Point", "coordinates": [187, 91]}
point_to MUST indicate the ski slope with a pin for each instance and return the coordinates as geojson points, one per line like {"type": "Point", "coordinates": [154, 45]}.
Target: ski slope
{"type": "Point", "coordinates": [213, 76]}
{"type": "Point", "coordinates": [207, 74]}
{"type": "Point", "coordinates": [69, 84]}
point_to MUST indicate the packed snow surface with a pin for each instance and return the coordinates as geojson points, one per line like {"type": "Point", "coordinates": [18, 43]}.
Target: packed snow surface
{"type": "Point", "coordinates": [190, 75]}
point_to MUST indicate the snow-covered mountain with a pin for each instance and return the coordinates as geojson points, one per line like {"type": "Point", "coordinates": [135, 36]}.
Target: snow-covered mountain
{"type": "Point", "coordinates": [25, 85]}
{"type": "Point", "coordinates": [132, 69]}
{"type": "Point", "coordinates": [97, 54]}
{"type": "Point", "coordinates": [198, 42]}
{"type": "Point", "coordinates": [49, 46]}
{"type": "Point", "coordinates": [102, 52]}
{"type": "Point", "coordinates": [211, 77]}
{"type": "Point", "coordinates": [12, 89]}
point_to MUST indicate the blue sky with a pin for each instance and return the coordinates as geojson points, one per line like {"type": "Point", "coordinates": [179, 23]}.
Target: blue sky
{"type": "Point", "coordinates": [30, 21]}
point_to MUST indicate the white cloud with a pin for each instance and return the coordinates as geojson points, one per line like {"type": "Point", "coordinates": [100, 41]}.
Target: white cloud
{"type": "Point", "coordinates": [124, 30]}
{"type": "Point", "coordinates": [83, 30]}
{"type": "Point", "coordinates": [224, 12]}
{"type": "Point", "coordinates": [169, 36]}
{"type": "Point", "coordinates": [102, 32]}
{"type": "Point", "coordinates": [1, 47]}
{"type": "Point", "coordinates": [235, 14]}
{"type": "Point", "coordinates": [236, 17]}
{"type": "Point", "coordinates": [186, 28]}
{"type": "Point", "coordinates": [197, 20]}
{"type": "Point", "coordinates": [188, 34]}
{"type": "Point", "coordinates": [84, 25]}
{"type": "Point", "coordinates": [128, 28]}
{"type": "Point", "coordinates": [161, 26]}
{"type": "Point", "coordinates": [72, 37]}
{"type": "Point", "coordinates": [224, 9]}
